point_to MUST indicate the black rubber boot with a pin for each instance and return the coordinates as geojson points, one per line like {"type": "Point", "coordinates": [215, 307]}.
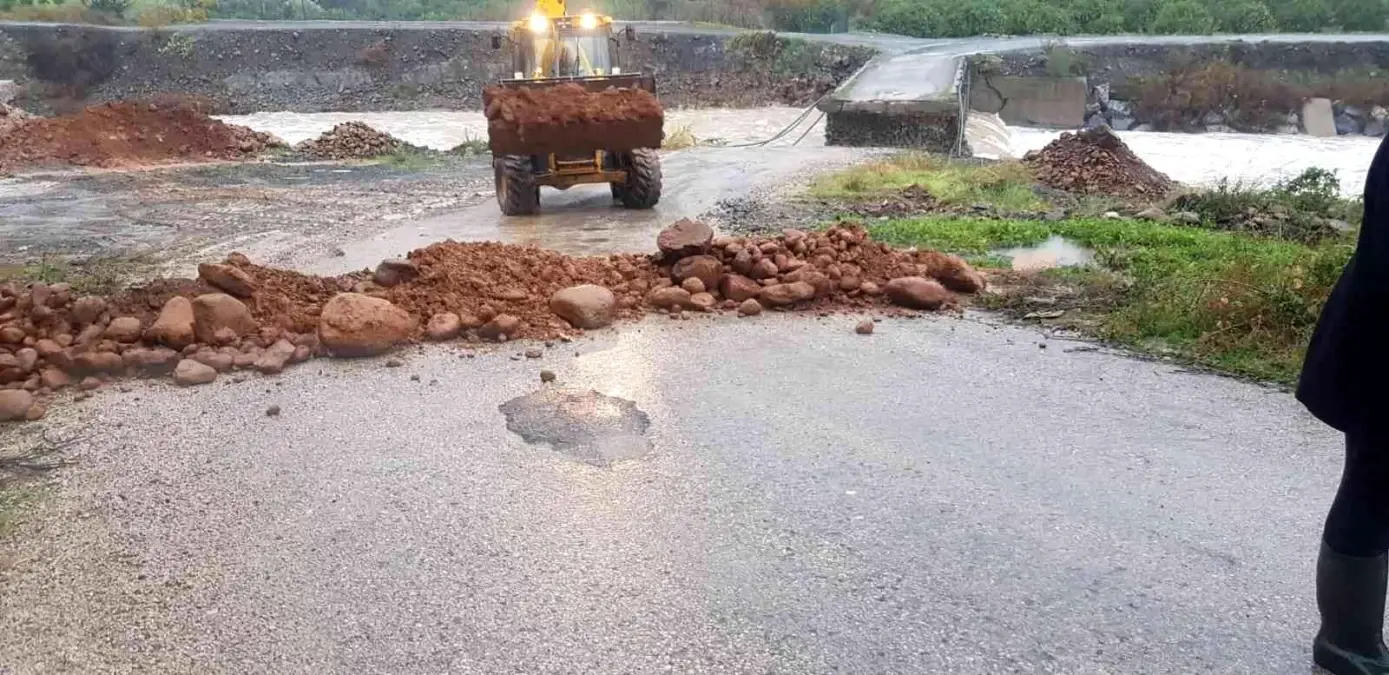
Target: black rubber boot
{"type": "Point", "coordinates": [1350, 596]}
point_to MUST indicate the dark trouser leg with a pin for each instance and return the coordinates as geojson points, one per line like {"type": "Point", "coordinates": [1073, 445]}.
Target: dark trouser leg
{"type": "Point", "coordinates": [1353, 567]}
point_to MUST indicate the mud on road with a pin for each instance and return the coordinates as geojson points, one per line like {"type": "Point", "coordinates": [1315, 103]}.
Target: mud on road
{"type": "Point", "coordinates": [174, 216]}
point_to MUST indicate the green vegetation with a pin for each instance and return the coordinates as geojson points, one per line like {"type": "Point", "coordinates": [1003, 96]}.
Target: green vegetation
{"type": "Point", "coordinates": [1220, 292]}
{"type": "Point", "coordinates": [97, 277]}
{"type": "Point", "coordinates": [1007, 186]}
{"type": "Point", "coordinates": [1234, 302]}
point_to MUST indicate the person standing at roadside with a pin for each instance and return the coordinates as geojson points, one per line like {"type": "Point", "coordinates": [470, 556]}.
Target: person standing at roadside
{"type": "Point", "coordinates": [1344, 383]}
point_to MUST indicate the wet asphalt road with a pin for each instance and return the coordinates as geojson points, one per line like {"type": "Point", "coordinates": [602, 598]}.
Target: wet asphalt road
{"type": "Point", "coordinates": [943, 496]}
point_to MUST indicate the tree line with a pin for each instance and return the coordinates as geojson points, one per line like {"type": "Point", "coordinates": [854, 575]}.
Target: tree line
{"type": "Point", "coordinates": [920, 18]}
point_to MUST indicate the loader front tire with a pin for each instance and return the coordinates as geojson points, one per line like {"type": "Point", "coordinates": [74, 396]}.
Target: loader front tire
{"type": "Point", "coordinates": [517, 193]}
{"type": "Point", "coordinates": [643, 187]}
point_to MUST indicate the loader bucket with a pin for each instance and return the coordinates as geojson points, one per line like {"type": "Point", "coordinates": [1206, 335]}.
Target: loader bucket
{"type": "Point", "coordinates": [573, 116]}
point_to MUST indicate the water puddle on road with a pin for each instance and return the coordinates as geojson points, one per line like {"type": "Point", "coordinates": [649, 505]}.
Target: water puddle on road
{"type": "Point", "coordinates": [1054, 252]}
{"type": "Point", "coordinates": [591, 427]}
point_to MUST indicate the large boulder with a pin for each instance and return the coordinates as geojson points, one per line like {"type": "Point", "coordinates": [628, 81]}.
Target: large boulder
{"type": "Point", "coordinates": [738, 288]}
{"type": "Point", "coordinates": [352, 324]}
{"type": "Point", "coordinates": [917, 293]}
{"type": "Point", "coordinates": [781, 295]}
{"type": "Point", "coordinates": [216, 312]}
{"type": "Point", "coordinates": [227, 278]}
{"type": "Point", "coordinates": [587, 306]}
{"type": "Point", "coordinates": [124, 329]}
{"type": "Point", "coordinates": [174, 327]}
{"type": "Point", "coordinates": [684, 238]}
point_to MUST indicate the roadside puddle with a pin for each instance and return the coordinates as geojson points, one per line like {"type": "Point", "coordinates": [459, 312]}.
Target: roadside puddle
{"type": "Point", "coordinates": [591, 427]}
{"type": "Point", "coordinates": [1054, 252]}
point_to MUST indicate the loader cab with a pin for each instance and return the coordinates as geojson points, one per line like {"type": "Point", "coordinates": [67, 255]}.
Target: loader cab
{"type": "Point", "coordinates": [565, 47]}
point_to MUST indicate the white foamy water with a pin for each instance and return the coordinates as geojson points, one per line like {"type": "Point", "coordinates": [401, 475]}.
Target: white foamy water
{"type": "Point", "coordinates": [1197, 159]}
{"type": "Point", "coordinates": [444, 129]}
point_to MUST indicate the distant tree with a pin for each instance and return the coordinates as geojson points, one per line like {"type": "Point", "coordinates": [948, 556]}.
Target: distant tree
{"type": "Point", "coordinates": [1183, 17]}
{"type": "Point", "coordinates": [964, 18]}
{"type": "Point", "coordinates": [1029, 17]}
{"type": "Point", "coordinates": [1359, 15]}
{"type": "Point", "coordinates": [1303, 16]}
{"type": "Point", "coordinates": [1244, 16]}
{"type": "Point", "coordinates": [1094, 17]}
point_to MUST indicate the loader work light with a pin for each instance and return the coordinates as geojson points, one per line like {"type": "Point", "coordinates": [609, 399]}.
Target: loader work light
{"type": "Point", "coordinates": [588, 21]}
{"type": "Point", "coordinates": [539, 24]}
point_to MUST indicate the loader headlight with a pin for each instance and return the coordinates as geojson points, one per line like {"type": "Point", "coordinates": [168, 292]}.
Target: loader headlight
{"type": "Point", "coordinates": [588, 21]}
{"type": "Point", "coordinates": [539, 24]}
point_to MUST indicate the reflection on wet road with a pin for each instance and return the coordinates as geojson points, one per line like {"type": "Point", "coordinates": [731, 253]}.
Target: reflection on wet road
{"type": "Point", "coordinates": [584, 221]}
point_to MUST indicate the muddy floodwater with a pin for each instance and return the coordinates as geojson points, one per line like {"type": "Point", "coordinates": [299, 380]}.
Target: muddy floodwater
{"type": "Point", "coordinates": [1198, 159]}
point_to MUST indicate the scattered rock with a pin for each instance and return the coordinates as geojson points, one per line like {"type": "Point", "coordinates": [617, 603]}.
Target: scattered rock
{"type": "Point", "coordinates": [219, 361]}
{"type": "Point", "coordinates": [54, 379]}
{"type": "Point", "coordinates": [124, 329]}
{"type": "Point", "coordinates": [87, 310]}
{"type": "Point", "coordinates": [865, 327]}
{"type": "Point", "coordinates": [189, 373]}
{"type": "Point", "coordinates": [1187, 218]}
{"type": "Point", "coordinates": [394, 363]}
{"type": "Point", "coordinates": [547, 376]}
{"type": "Point", "coordinates": [693, 285]}
{"type": "Point", "coordinates": [354, 325]}
{"type": "Point", "coordinates": [588, 306]}
{"type": "Point", "coordinates": [174, 326]}
{"type": "Point", "coordinates": [684, 238]}
{"type": "Point", "coordinates": [670, 297]}
{"type": "Point", "coordinates": [781, 295]}
{"type": "Point", "coordinates": [216, 312]}
{"type": "Point", "coordinates": [917, 293]}
{"type": "Point", "coordinates": [703, 301]}
{"type": "Point", "coordinates": [227, 278]}
{"type": "Point", "coordinates": [36, 413]}
{"type": "Point", "coordinates": [26, 359]}
{"type": "Point", "coordinates": [445, 326]}
{"type": "Point", "coordinates": [738, 288]}
{"type": "Point", "coordinates": [15, 404]}
{"type": "Point", "coordinates": [1151, 213]}
{"type": "Point", "coordinates": [395, 272]}
{"type": "Point", "coordinates": [275, 357]}
{"type": "Point", "coordinates": [501, 328]}
{"type": "Point", "coordinates": [150, 361]}
{"type": "Point", "coordinates": [98, 362]}
{"type": "Point", "coordinates": [11, 335]}
{"type": "Point", "coordinates": [534, 353]}
{"type": "Point", "coordinates": [89, 383]}
{"type": "Point", "coordinates": [272, 411]}
{"type": "Point", "coordinates": [749, 308]}
{"type": "Point", "coordinates": [706, 268]}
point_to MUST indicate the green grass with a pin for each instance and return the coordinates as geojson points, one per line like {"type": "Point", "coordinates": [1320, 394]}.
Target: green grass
{"type": "Point", "coordinates": [1231, 301]}
{"type": "Point", "coordinates": [1007, 186]}
{"type": "Point", "coordinates": [97, 277]}
{"type": "Point", "coordinates": [411, 158]}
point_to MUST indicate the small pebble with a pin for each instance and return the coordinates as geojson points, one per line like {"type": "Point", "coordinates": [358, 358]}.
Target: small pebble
{"type": "Point", "coordinates": [272, 411]}
{"type": "Point", "coordinates": [414, 378]}
{"type": "Point", "coordinates": [534, 353]}
{"type": "Point", "coordinates": [547, 376]}
{"type": "Point", "coordinates": [864, 328]}
{"type": "Point", "coordinates": [394, 363]}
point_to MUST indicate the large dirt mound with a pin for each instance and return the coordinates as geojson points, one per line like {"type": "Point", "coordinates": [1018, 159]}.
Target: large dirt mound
{"type": "Point", "coordinates": [126, 134]}
{"type": "Point", "coordinates": [568, 118]}
{"type": "Point", "coordinates": [1096, 161]}
{"type": "Point", "coordinates": [237, 315]}
{"type": "Point", "coordinates": [351, 140]}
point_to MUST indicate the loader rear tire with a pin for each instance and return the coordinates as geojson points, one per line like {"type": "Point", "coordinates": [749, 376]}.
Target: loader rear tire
{"type": "Point", "coordinates": [517, 193]}
{"type": "Point", "coordinates": [643, 187]}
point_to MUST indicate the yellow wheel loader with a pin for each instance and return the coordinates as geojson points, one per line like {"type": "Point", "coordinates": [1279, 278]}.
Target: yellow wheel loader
{"type": "Point", "coordinates": [578, 56]}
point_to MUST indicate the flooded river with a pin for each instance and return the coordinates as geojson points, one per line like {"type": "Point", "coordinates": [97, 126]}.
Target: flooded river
{"type": "Point", "coordinates": [1198, 159]}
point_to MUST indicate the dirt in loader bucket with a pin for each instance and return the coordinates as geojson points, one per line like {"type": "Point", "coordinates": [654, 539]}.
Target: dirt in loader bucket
{"type": "Point", "coordinates": [570, 119]}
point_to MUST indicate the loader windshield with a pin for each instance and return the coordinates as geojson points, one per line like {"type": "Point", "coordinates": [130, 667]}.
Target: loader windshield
{"type": "Point", "coordinates": [567, 54]}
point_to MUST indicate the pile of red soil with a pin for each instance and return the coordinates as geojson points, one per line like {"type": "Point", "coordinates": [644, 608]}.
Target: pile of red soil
{"type": "Point", "coordinates": [125, 134]}
{"type": "Point", "coordinates": [350, 140]}
{"type": "Point", "coordinates": [11, 118]}
{"type": "Point", "coordinates": [1096, 161]}
{"type": "Point", "coordinates": [569, 119]}
{"type": "Point", "coordinates": [238, 315]}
